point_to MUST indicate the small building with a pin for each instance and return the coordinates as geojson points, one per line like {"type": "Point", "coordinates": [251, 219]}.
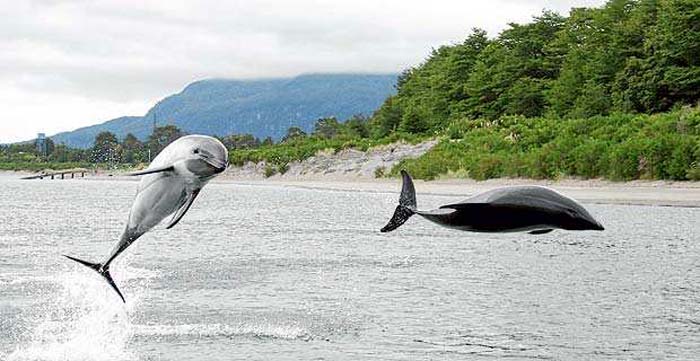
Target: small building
{"type": "Point", "coordinates": [42, 147]}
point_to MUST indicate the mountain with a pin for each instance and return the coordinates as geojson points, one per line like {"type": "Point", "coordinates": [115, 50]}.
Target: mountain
{"type": "Point", "coordinates": [266, 107]}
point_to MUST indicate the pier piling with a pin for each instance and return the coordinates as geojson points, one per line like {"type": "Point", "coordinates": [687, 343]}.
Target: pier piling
{"type": "Point", "coordinates": [62, 173]}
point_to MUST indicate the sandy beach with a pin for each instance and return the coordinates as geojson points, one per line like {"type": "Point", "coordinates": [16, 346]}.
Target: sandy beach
{"type": "Point", "coordinates": [658, 193]}
{"type": "Point", "coordinates": [640, 192]}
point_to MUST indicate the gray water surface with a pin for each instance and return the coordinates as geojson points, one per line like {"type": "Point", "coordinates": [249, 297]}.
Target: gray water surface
{"type": "Point", "coordinates": [257, 272]}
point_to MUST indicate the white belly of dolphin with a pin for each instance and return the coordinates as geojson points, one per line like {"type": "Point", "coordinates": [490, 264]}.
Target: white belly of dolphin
{"type": "Point", "coordinates": [159, 196]}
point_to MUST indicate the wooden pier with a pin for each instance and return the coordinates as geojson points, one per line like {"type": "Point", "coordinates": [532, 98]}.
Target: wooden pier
{"type": "Point", "coordinates": [49, 173]}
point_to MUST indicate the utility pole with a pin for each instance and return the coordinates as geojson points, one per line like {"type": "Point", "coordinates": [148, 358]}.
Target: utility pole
{"type": "Point", "coordinates": [153, 134]}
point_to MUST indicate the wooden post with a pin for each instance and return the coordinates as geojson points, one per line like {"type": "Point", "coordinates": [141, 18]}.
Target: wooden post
{"type": "Point", "coordinates": [63, 175]}
{"type": "Point", "coordinates": [82, 174]}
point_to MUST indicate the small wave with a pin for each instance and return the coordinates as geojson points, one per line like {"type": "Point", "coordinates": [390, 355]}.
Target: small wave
{"type": "Point", "coordinates": [287, 332]}
{"type": "Point", "coordinates": [136, 273]}
{"type": "Point", "coordinates": [475, 344]}
{"type": "Point", "coordinates": [19, 279]}
{"type": "Point", "coordinates": [687, 321]}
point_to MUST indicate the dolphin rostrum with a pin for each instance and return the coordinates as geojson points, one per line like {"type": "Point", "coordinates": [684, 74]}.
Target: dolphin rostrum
{"type": "Point", "coordinates": [508, 209]}
{"type": "Point", "coordinates": [169, 186]}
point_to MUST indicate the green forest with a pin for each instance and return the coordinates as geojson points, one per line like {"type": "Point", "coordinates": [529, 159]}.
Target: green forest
{"type": "Point", "coordinates": [607, 92]}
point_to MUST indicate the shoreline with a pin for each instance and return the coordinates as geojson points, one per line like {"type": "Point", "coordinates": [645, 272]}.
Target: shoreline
{"type": "Point", "coordinates": [595, 191]}
{"type": "Point", "coordinates": [647, 193]}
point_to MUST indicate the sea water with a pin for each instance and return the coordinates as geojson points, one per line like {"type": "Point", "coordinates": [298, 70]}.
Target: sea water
{"type": "Point", "coordinates": [262, 272]}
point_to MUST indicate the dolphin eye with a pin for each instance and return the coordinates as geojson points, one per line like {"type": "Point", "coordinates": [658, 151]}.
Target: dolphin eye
{"type": "Point", "coordinates": [196, 151]}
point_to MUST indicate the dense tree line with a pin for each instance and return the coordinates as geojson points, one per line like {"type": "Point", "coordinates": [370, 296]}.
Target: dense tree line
{"type": "Point", "coordinates": [629, 56]}
{"type": "Point", "coordinates": [107, 149]}
{"type": "Point", "coordinates": [25, 152]}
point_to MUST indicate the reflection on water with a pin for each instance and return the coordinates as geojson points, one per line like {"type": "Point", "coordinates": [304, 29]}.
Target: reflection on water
{"type": "Point", "coordinates": [263, 272]}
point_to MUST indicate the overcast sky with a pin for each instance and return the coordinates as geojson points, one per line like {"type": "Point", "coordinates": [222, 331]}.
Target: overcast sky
{"type": "Point", "coordinates": [67, 64]}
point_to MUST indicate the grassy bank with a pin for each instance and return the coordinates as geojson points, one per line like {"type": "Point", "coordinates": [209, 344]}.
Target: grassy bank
{"type": "Point", "coordinates": [616, 147]}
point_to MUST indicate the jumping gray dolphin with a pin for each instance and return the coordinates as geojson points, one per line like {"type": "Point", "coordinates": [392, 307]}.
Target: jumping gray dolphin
{"type": "Point", "coordinates": [169, 186]}
{"type": "Point", "coordinates": [507, 209]}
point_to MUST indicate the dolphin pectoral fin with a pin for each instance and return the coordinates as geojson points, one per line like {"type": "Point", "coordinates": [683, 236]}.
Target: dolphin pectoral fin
{"type": "Point", "coordinates": [152, 170]}
{"type": "Point", "coordinates": [541, 231]}
{"type": "Point", "coordinates": [183, 209]}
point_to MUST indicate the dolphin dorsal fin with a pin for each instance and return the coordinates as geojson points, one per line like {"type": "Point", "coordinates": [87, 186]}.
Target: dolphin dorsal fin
{"type": "Point", "coordinates": [183, 208]}
{"type": "Point", "coordinates": [153, 170]}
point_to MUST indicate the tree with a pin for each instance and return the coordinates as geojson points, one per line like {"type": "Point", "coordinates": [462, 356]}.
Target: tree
{"type": "Point", "coordinates": [508, 76]}
{"type": "Point", "coordinates": [675, 50]}
{"type": "Point", "coordinates": [161, 137]}
{"type": "Point", "coordinates": [240, 141]}
{"type": "Point", "coordinates": [414, 121]}
{"type": "Point", "coordinates": [357, 127]}
{"type": "Point", "coordinates": [326, 128]}
{"type": "Point", "coordinates": [387, 118]}
{"type": "Point", "coordinates": [61, 153]}
{"type": "Point", "coordinates": [293, 133]}
{"type": "Point", "coordinates": [132, 150]}
{"type": "Point", "coordinates": [106, 148]}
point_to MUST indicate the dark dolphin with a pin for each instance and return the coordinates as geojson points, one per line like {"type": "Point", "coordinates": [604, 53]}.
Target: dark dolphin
{"type": "Point", "coordinates": [508, 209]}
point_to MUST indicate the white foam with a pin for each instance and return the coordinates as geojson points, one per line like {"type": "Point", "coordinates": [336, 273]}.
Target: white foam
{"type": "Point", "coordinates": [82, 320]}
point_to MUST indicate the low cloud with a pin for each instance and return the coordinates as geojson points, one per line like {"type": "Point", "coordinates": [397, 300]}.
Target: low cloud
{"type": "Point", "coordinates": [78, 57]}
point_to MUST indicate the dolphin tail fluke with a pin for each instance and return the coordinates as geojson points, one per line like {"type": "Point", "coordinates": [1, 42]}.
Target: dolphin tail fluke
{"type": "Point", "coordinates": [104, 272]}
{"type": "Point", "coordinates": [407, 204]}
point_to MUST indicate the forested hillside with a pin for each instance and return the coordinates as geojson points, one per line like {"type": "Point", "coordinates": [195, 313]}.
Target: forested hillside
{"type": "Point", "coordinates": [560, 96]}
{"type": "Point", "coordinates": [263, 108]}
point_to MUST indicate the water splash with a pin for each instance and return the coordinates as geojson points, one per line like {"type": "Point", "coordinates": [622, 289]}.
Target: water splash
{"type": "Point", "coordinates": [81, 319]}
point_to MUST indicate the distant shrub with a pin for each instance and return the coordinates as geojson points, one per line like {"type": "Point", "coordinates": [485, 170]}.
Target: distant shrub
{"type": "Point", "coordinates": [694, 173]}
{"type": "Point", "coordinates": [617, 147]}
{"type": "Point", "coordinates": [379, 172]}
{"type": "Point", "coordinates": [269, 170]}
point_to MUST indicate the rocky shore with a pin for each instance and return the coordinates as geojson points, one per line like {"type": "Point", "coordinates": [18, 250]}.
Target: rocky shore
{"type": "Point", "coordinates": [347, 163]}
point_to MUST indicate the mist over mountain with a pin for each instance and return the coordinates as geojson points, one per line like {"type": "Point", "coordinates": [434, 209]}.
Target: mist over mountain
{"type": "Point", "coordinates": [265, 107]}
